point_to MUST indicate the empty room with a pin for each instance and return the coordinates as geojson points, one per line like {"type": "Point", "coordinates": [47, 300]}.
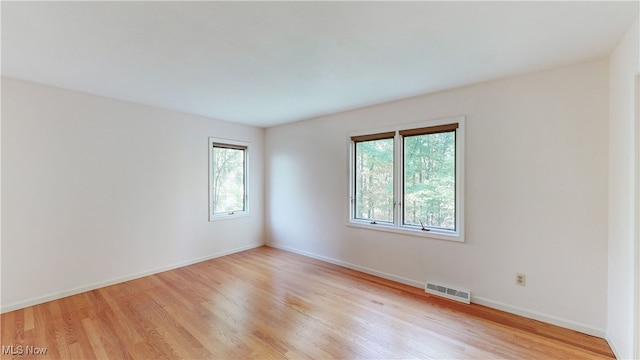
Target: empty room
{"type": "Point", "coordinates": [315, 180]}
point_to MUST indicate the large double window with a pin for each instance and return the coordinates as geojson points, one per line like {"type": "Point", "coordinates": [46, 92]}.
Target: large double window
{"type": "Point", "coordinates": [227, 178]}
{"type": "Point", "coordinates": [410, 179]}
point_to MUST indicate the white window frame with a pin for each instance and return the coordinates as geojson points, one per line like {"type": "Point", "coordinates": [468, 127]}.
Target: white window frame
{"type": "Point", "coordinates": [397, 226]}
{"type": "Point", "coordinates": [235, 214]}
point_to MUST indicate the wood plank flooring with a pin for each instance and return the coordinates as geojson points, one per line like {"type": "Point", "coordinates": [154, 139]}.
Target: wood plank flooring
{"type": "Point", "coordinates": [270, 304]}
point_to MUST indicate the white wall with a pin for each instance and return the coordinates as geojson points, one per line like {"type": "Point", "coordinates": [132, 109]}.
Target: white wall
{"type": "Point", "coordinates": [536, 195]}
{"type": "Point", "coordinates": [624, 66]}
{"type": "Point", "coordinates": [97, 190]}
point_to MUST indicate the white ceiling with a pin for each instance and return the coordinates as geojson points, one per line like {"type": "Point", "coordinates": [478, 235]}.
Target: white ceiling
{"type": "Point", "coordinates": [268, 63]}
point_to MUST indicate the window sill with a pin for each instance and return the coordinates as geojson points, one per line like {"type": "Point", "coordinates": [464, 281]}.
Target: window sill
{"type": "Point", "coordinates": [433, 234]}
{"type": "Point", "coordinates": [236, 215]}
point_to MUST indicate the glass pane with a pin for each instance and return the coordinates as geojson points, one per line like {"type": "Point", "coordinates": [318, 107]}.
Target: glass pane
{"type": "Point", "coordinates": [430, 180]}
{"type": "Point", "coordinates": [374, 180]}
{"type": "Point", "coordinates": [228, 180]}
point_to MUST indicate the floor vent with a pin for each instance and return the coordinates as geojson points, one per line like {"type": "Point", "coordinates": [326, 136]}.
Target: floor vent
{"type": "Point", "coordinates": [448, 292]}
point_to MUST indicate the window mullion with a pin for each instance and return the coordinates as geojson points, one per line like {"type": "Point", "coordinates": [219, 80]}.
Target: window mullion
{"type": "Point", "coordinates": [398, 180]}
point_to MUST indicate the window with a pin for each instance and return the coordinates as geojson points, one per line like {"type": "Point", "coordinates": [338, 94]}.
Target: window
{"type": "Point", "coordinates": [409, 179]}
{"type": "Point", "coordinates": [374, 178]}
{"type": "Point", "coordinates": [227, 178]}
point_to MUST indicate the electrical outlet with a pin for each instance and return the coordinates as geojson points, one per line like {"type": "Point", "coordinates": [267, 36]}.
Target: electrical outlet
{"type": "Point", "coordinates": [521, 279]}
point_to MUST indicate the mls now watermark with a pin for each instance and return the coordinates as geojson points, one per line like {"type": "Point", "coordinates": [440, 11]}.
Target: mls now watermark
{"type": "Point", "coordinates": [23, 350]}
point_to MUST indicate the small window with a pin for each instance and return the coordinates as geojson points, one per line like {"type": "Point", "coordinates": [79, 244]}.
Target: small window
{"type": "Point", "coordinates": [410, 179]}
{"type": "Point", "coordinates": [227, 178]}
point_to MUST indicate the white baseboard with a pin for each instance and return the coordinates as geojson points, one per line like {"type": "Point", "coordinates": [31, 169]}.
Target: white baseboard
{"type": "Point", "coordinates": [363, 269]}
{"type": "Point", "coordinates": [613, 348]}
{"type": "Point", "coordinates": [81, 289]}
{"type": "Point", "coordinates": [549, 319]}
{"type": "Point", "coordinates": [474, 299]}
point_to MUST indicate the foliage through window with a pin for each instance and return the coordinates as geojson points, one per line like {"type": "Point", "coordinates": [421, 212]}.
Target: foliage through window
{"type": "Point", "coordinates": [374, 180]}
{"type": "Point", "coordinates": [409, 179]}
{"type": "Point", "coordinates": [228, 178]}
{"type": "Point", "coordinates": [430, 180]}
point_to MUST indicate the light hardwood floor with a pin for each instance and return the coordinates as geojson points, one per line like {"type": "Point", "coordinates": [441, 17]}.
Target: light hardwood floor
{"type": "Point", "coordinates": [267, 303]}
